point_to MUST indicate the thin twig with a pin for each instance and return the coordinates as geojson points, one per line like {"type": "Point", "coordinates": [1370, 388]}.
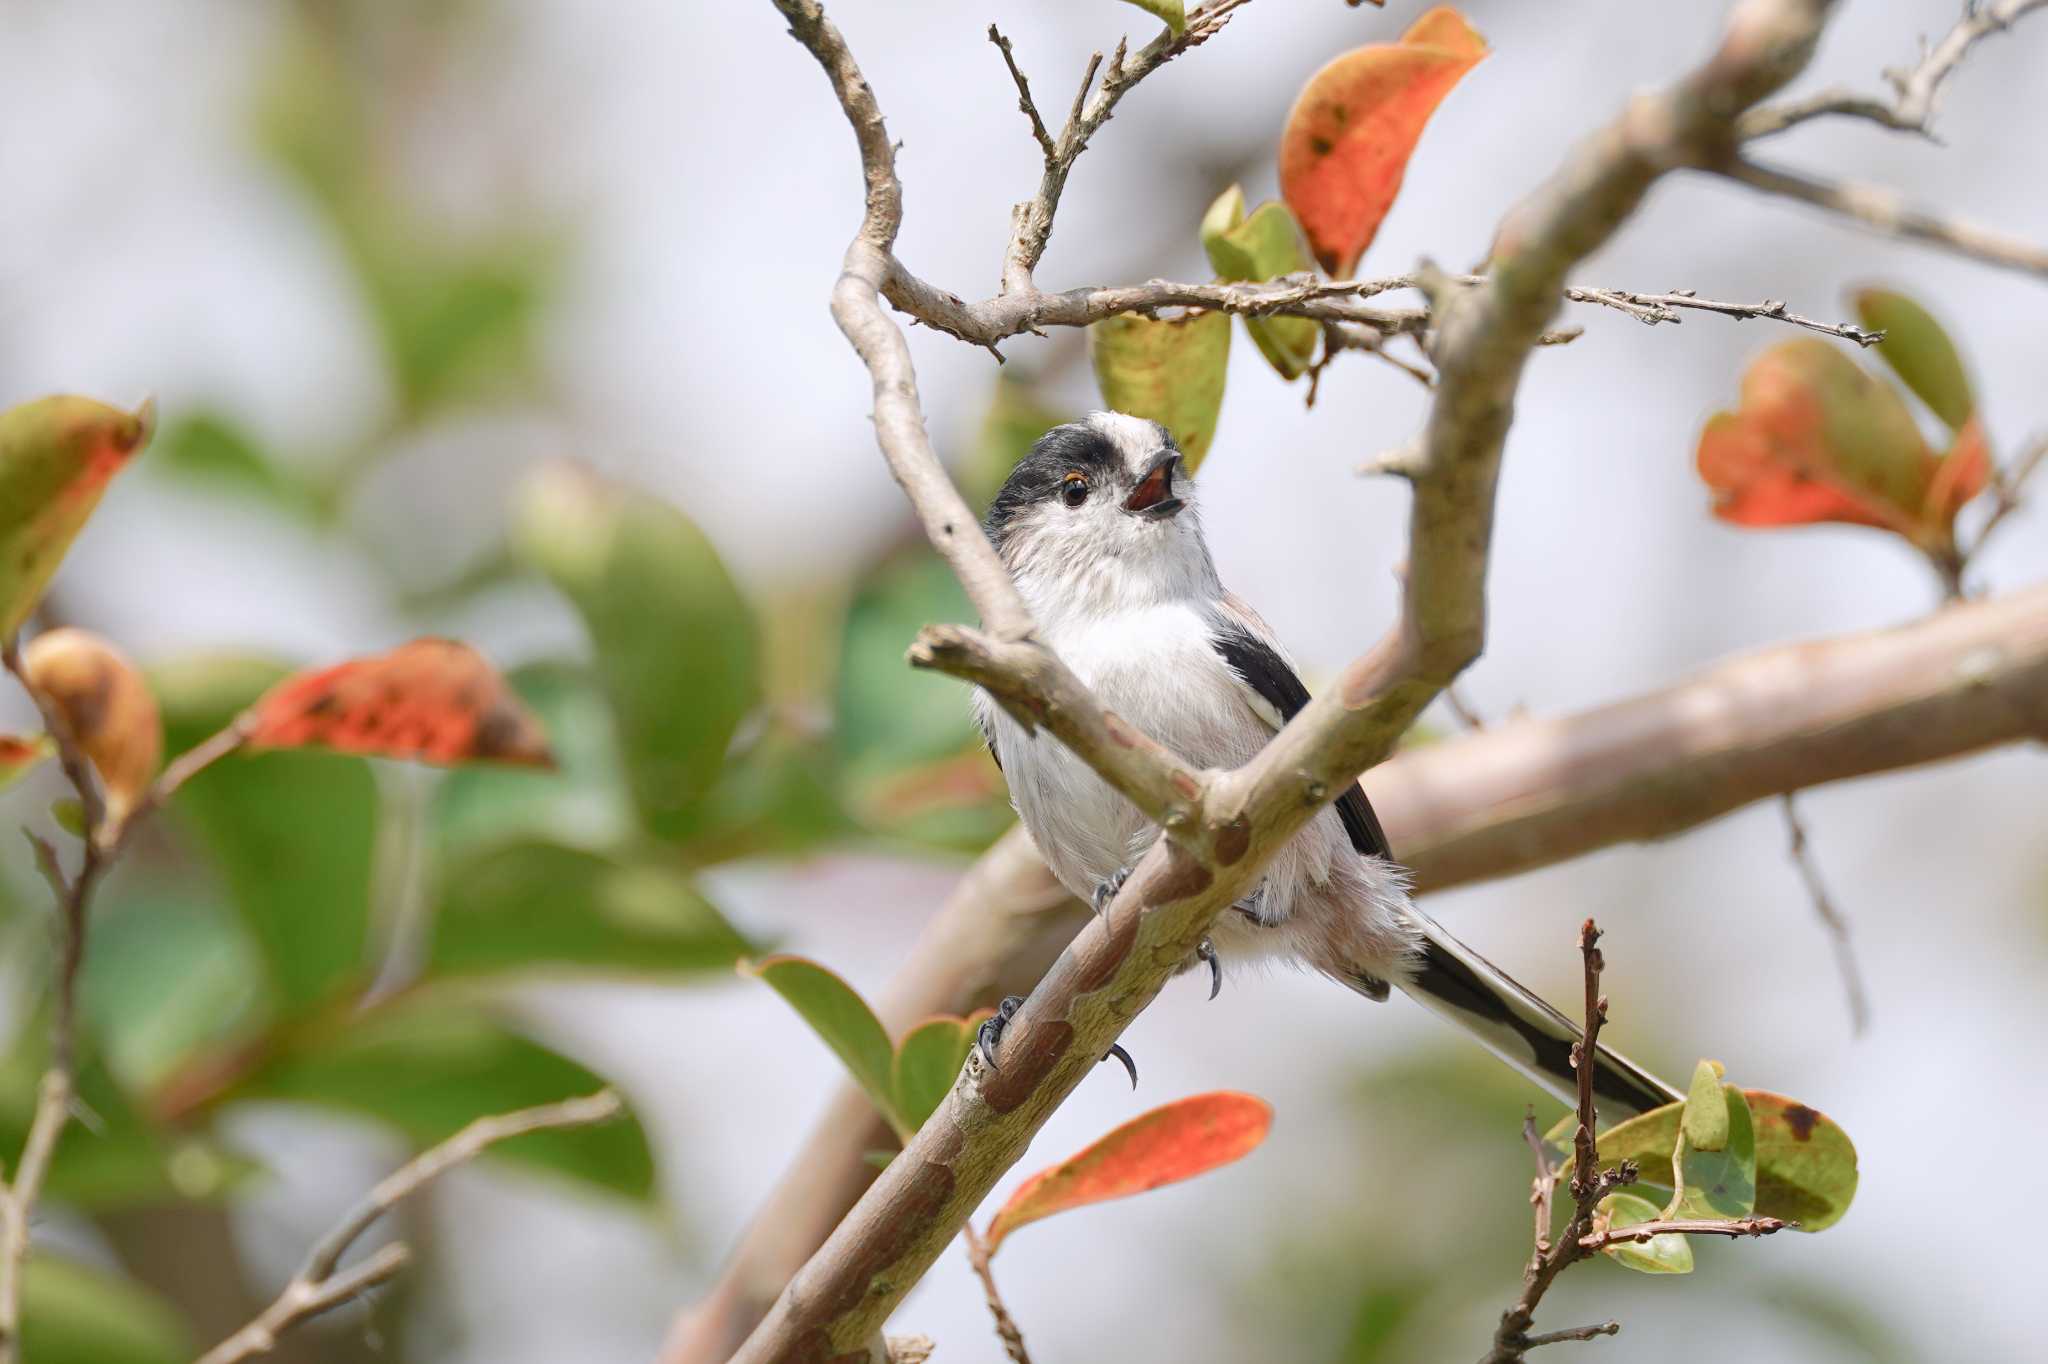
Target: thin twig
{"type": "Point", "coordinates": [1885, 210]}
{"type": "Point", "coordinates": [1915, 92]}
{"type": "Point", "coordinates": [1006, 1325]}
{"type": "Point", "coordinates": [2008, 487]}
{"type": "Point", "coordinates": [321, 1284]}
{"type": "Point", "coordinates": [1733, 1228]}
{"type": "Point", "coordinates": [1024, 100]}
{"type": "Point", "coordinates": [1651, 309]}
{"type": "Point", "coordinates": [1831, 917]}
{"type": "Point", "coordinates": [104, 840]}
{"type": "Point", "coordinates": [1511, 1340]}
{"type": "Point", "coordinates": [1468, 717]}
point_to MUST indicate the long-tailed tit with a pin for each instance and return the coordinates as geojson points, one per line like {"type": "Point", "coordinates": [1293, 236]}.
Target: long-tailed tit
{"type": "Point", "coordinates": [1098, 524]}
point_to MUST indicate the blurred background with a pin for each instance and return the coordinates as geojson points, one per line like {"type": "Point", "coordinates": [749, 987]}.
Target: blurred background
{"type": "Point", "coordinates": [378, 262]}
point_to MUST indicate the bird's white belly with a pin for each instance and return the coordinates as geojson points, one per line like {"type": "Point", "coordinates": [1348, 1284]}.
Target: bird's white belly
{"type": "Point", "coordinates": [1158, 669]}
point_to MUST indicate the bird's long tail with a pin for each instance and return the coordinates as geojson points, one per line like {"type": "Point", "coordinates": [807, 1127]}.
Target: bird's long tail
{"type": "Point", "coordinates": [1515, 1024]}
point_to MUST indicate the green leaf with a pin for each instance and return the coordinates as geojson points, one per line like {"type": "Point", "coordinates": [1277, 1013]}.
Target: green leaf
{"type": "Point", "coordinates": [428, 1069]}
{"type": "Point", "coordinates": [838, 1014]}
{"type": "Point", "coordinates": [57, 456]}
{"type": "Point", "coordinates": [1669, 1253]}
{"type": "Point", "coordinates": [1805, 1162]}
{"type": "Point", "coordinates": [927, 1064]}
{"type": "Point", "coordinates": [777, 797]}
{"type": "Point", "coordinates": [1264, 246]}
{"type": "Point", "coordinates": [889, 716]}
{"type": "Point", "coordinates": [292, 834]}
{"type": "Point", "coordinates": [209, 449]}
{"type": "Point", "coordinates": [1168, 370]}
{"type": "Point", "coordinates": [676, 646]}
{"type": "Point", "coordinates": [72, 1314]}
{"type": "Point", "coordinates": [538, 906]}
{"type": "Point", "coordinates": [582, 801]}
{"type": "Point", "coordinates": [1919, 352]}
{"type": "Point", "coordinates": [1720, 1182]}
{"type": "Point", "coordinates": [1706, 1114]}
{"type": "Point", "coordinates": [166, 976]}
{"type": "Point", "coordinates": [1174, 12]}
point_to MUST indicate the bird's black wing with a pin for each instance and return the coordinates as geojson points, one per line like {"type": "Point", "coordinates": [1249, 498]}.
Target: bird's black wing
{"type": "Point", "coordinates": [1269, 675]}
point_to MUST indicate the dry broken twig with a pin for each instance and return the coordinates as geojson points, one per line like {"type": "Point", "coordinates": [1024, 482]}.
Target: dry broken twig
{"type": "Point", "coordinates": [321, 1284]}
{"type": "Point", "coordinates": [1831, 917]}
{"type": "Point", "coordinates": [1915, 92]}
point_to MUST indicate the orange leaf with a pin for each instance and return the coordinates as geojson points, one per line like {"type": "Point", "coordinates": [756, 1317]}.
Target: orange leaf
{"type": "Point", "coordinates": [435, 700]}
{"type": "Point", "coordinates": [1818, 438]}
{"type": "Point", "coordinates": [1355, 124]}
{"type": "Point", "coordinates": [1960, 474]}
{"type": "Point", "coordinates": [1177, 1141]}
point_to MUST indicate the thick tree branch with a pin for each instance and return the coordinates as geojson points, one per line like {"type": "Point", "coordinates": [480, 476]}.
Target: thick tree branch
{"type": "Point", "coordinates": [835, 1306]}
{"type": "Point", "coordinates": [1530, 792]}
{"type": "Point", "coordinates": [1885, 210]}
{"type": "Point", "coordinates": [1915, 92]}
{"type": "Point", "coordinates": [321, 1284]}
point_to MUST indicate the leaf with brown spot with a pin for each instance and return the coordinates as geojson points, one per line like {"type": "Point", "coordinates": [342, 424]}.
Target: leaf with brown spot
{"type": "Point", "coordinates": [1355, 124]}
{"type": "Point", "coordinates": [430, 700]}
{"type": "Point", "coordinates": [1174, 1142]}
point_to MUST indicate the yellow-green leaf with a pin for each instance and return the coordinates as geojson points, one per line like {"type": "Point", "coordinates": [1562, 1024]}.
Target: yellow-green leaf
{"type": "Point", "coordinates": [1168, 370]}
{"type": "Point", "coordinates": [927, 1063]}
{"type": "Point", "coordinates": [1919, 352]}
{"type": "Point", "coordinates": [1174, 12]}
{"type": "Point", "coordinates": [56, 457]}
{"type": "Point", "coordinates": [1262, 246]}
{"type": "Point", "coordinates": [1706, 1115]}
{"type": "Point", "coordinates": [1720, 1182]}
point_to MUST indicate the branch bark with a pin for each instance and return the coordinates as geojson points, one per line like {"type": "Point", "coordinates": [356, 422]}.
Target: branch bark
{"type": "Point", "coordinates": [835, 1306]}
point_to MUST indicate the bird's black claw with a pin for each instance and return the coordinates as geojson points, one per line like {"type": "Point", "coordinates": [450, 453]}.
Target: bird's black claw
{"type": "Point", "coordinates": [1107, 887]}
{"type": "Point", "coordinates": [1206, 950]}
{"type": "Point", "coordinates": [1116, 1050]}
{"type": "Point", "coordinates": [990, 1035]}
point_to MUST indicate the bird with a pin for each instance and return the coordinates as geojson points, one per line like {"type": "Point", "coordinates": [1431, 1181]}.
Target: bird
{"type": "Point", "coordinates": [1100, 528]}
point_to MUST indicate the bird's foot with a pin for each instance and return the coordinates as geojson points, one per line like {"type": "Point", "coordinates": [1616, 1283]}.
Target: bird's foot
{"type": "Point", "coordinates": [990, 1037]}
{"type": "Point", "coordinates": [1206, 951]}
{"type": "Point", "coordinates": [1107, 887]}
{"type": "Point", "coordinates": [991, 1033]}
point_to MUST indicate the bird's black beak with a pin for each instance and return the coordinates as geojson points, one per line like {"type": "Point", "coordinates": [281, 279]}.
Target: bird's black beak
{"type": "Point", "coordinates": [1153, 496]}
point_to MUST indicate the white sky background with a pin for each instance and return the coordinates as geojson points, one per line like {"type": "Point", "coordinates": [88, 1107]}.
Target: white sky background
{"type": "Point", "coordinates": [145, 247]}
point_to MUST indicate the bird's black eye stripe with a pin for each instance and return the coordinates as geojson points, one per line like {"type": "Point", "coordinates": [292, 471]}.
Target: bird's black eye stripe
{"type": "Point", "coordinates": [1074, 488]}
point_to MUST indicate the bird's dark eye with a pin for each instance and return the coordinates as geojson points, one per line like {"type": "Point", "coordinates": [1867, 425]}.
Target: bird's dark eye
{"type": "Point", "coordinates": [1074, 490]}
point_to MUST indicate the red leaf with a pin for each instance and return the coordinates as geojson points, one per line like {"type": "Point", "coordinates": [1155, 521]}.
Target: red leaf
{"type": "Point", "coordinates": [435, 700]}
{"type": "Point", "coordinates": [1355, 124]}
{"type": "Point", "coordinates": [1174, 1142]}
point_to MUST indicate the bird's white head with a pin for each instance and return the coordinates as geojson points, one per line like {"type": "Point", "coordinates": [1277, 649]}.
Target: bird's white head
{"type": "Point", "coordinates": [1100, 517]}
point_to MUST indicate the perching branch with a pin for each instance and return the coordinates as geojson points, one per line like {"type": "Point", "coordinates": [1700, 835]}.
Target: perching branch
{"type": "Point", "coordinates": [836, 1305]}
{"type": "Point", "coordinates": [1916, 92]}
{"type": "Point", "coordinates": [321, 1284]}
{"type": "Point", "coordinates": [1527, 792]}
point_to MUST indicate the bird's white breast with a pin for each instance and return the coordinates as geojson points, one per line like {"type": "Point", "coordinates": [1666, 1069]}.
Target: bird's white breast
{"type": "Point", "coordinates": [1157, 667]}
